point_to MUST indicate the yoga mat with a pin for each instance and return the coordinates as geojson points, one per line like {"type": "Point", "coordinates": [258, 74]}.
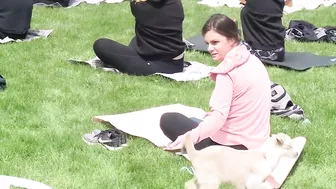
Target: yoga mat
{"type": "Point", "coordinates": [145, 124]}
{"type": "Point", "coordinates": [299, 61]}
{"type": "Point", "coordinates": [302, 61]}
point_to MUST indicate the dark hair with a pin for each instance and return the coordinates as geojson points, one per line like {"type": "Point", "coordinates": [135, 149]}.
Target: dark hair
{"type": "Point", "coordinates": [222, 25]}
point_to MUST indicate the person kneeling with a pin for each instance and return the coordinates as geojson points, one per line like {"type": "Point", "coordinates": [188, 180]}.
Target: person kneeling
{"type": "Point", "coordinates": [15, 18]}
{"type": "Point", "coordinates": [263, 31]}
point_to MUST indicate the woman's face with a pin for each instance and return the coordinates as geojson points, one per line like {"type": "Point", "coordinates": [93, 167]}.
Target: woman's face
{"type": "Point", "coordinates": [218, 45]}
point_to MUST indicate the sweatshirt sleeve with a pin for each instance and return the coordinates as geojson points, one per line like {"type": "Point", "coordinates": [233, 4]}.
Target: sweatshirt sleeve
{"type": "Point", "coordinates": [220, 103]}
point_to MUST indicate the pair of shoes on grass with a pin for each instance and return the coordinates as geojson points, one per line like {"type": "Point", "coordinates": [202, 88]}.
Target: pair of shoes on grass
{"type": "Point", "coordinates": [112, 139]}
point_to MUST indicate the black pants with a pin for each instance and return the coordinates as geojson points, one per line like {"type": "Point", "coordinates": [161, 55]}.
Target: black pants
{"type": "Point", "coordinates": [176, 124]}
{"type": "Point", "coordinates": [127, 60]}
{"type": "Point", "coordinates": [12, 35]}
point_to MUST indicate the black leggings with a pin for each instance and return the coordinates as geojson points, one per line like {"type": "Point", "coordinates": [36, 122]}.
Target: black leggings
{"type": "Point", "coordinates": [127, 60]}
{"type": "Point", "coordinates": [3, 35]}
{"type": "Point", "coordinates": [176, 124]}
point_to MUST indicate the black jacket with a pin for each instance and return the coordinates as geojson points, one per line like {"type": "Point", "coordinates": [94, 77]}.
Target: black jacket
{"type": "Point", "coordinates": [158, 29]}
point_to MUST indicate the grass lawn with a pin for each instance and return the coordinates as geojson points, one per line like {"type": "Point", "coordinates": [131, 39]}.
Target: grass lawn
{"type": "Point", "coordinates": [49, 103]}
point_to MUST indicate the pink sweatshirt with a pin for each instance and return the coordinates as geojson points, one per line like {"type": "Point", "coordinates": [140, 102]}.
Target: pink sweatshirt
{"type": "Point", "coordinates": [240, 103]}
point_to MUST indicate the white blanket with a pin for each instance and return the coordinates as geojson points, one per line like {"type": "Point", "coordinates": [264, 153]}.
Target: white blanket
{"type": "Point", "coordinates": [297, 4]}
{"type": "Point", "coordinates": [195, 71]}
{"type": "Point", "coordinates": [308, 5]}
{"type": "Point", "coordinates": [73, 3]}
{"type": "Point", "coordinates": [145, 124]}
{"type": "Point", "coordinates": [32, 34]}
{"type": "Point", "coordinates": [7, 181]}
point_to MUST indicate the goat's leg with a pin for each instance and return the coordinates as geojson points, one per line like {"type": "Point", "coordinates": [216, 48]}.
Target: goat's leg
{"type": "Point", "coordinates": [265, 185]}
{"type": "Point", "coordinates": [190, 184]}
{"type": "Point", "coordinates": [240, 186]}
{"type": "Point", "coordinates": [208, 186]}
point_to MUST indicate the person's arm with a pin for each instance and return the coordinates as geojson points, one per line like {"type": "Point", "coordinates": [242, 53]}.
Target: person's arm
{"type": "Point", "coordinates": [289, 3]}
{"type": "Point", "coordinates": [220, 104]}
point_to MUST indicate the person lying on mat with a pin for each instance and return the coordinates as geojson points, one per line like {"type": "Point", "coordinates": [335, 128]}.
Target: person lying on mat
{"type": "Point", "coordinates": [15, 18]}
{"type": "Point", "coordinates": [239, 114]}
{"type": "Point", "coordinates": [262, 28]}
{"type": "Point", "coordinates": [158, 45]}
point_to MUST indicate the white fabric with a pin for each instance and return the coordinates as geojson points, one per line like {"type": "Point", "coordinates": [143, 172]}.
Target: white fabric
{"type": "Point", "coordinates": [307, 4]}
{"type": "Point", "coordinates": [218, 3]}
{"type": "Point", "coordinates": [73, 3]}
{"type": "Point", "coordinates": [297, 4]}
{"type": "Point", "coordinates": [194, 72]}
{"type": "Point", "coordinates": [7, 181]}
{"type": "Point", "coordinates": [145, 124]}
{"type": "Point", "coordinates": [32, 34]}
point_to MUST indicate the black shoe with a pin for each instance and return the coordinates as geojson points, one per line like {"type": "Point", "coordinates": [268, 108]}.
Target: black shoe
{"type": "Point", "coordinates": [121, 135]}
{"type": "Point", "coordinates": [110, 140]}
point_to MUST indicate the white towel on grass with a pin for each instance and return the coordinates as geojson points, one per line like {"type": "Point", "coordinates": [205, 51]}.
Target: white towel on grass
{"type": "Point", "coordinates": [73, 3]}
{"type": "Point", "coordinates": [6, 182]}
{"type": "Point", "coordinates": [193, 72]}
{"type": "Point", "coordinates": [297, 4]}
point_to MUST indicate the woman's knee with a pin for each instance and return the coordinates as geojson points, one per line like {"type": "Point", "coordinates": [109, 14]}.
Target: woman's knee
{"type": "Point", "coordinates": [99, 44]}
{"type": "Point", "coordinates": [166, 119]}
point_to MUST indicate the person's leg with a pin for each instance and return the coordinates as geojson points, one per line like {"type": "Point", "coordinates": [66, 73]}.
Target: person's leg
{"type": "Point", "coordinates": [2, 35]}
{"type": "Point", "coordinates": [274, 55]}
{"type": "Point", "coordinates": [122, 57]}
{"type": "Point", "coordinates": [126, 59]}
{"type": "Point", "coordinates": [176, 124]}
{"type": "Point", "coordinates": [16, 36]}
{"type": "Point", "coordinates": [208, 142]}
{"type": "Point", "coordinates": [169, 67]}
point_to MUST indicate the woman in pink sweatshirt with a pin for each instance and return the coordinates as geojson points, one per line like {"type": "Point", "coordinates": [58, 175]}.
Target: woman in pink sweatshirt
{"type": "Point", "coordinates": [239, 114]}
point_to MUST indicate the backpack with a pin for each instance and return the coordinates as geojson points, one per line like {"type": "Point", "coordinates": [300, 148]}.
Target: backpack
{"type": "Point", "coordinates": [282, 105]}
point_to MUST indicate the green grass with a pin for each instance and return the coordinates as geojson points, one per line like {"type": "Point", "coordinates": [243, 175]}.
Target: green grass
{"type": "Point", "coordinates": [49, 103]}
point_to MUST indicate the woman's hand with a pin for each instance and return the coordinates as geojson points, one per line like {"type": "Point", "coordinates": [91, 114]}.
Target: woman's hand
{"type": "Point", "coordinates": [176, 145]}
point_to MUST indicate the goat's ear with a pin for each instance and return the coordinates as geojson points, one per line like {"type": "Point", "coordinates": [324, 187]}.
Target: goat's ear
{"type": "Point", "coordinates": [279, 139]}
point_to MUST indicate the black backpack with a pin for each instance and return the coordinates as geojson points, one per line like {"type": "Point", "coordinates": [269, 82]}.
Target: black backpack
{"type": "Point", "coordinates": [302, 30]}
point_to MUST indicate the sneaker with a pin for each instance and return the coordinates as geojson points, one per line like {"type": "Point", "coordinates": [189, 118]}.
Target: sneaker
{"type": "Point", "coordinates": [111, 141]}
{"type": "Point", "coordinates": [92, 138]}
{"type": "Point", "coordinates": [121, 135]}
